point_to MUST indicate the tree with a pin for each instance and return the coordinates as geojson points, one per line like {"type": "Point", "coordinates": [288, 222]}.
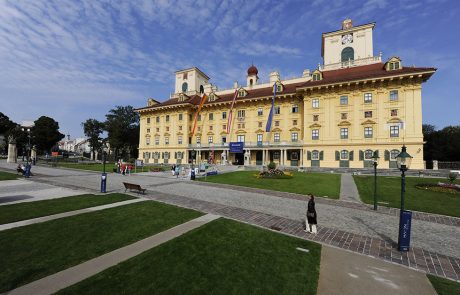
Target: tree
{"type": "Point", "coordinates": [93, 129]}
{"type": "Point", "coordinates": [45, 133]}
{"type": "Point", "coordinates": [122, 126]}
{"type": "Point", "coordinates": [6, 128]}
{"type": "Point", "coordinates": [441, 145]}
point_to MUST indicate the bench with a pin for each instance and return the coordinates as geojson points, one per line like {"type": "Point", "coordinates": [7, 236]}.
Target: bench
{"type": "Point", "coordinates": [132, 186]}
{"type": "Point", "coordinates": [156, 169]}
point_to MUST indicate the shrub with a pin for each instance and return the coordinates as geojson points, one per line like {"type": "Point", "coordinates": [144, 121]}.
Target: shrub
{"type": "Point", "coordinates": [452, 177]}
{"type": "Point", "coordinates": [271, 166]}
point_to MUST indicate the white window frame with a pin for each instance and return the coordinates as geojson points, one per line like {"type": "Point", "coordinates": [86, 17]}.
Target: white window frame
{"type": "Point", "coordinates": [240, 138]}
{"type": "Point", "coordinates": [260, 112]}
{"type": "Point", "coordinates": [368, 132]}
{"type": "Point", "coordinates": [394, 131]}
{"type": "Point", "coordinates": [344, 155]}
{"type": "Point", "coordinates": [260, 137]}
{"type": "Point", "coordinates": [224, 115]}
{"type": "Point", "coordinates": [294, 136]}
{"type": "Point", "coordinates": [179, 139]}
{"type": "Point", "coordinates": [394, 95]}
{"type": "Point", "coordinates": [276, 137]}
{"type": "Point", "coordinates": [198, 140]}
{"type": "Point", "coordinates": [315, 134]}
{"type": "Point", "coordinates": [210, 139]}
{"type": "Point", "coordinates": [295, 109]}
{"type": "Point", "coordinates": [315, 103]}
{"type": "Point", "coordinates": [277, 110]}
{"type": "Point", "coordinates": [166, 140]}
{"type": "Point", "coordinates": [157, 140]}
{"type": "Point", "coordinates": [343, 133]}
{"type": "Point", "coordinates": [368, 155]}
{"type": "Point", "coordinates": [368, 97]}
{"type": "Point", "coordinates": [147, 140]}
{"type": "Point", "coordinates": [343, 100]}
{"type": "Point", "coordinates": [241, 113]}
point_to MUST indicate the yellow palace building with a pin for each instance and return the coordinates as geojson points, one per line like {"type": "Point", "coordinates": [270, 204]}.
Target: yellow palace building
{"type": "Point", "coordinates": [335, 116]}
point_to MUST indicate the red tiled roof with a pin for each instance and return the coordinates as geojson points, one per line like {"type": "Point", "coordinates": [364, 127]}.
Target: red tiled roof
{"type": "Point", "coordinates": [362, 72]}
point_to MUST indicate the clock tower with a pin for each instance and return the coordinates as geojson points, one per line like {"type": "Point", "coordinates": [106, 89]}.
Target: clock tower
{"type": "Point", "coordinates": [350, 46]}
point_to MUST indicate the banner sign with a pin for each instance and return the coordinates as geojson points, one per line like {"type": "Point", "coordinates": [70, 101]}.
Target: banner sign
{"type": "Point", "coordinates": [236, 147]}
{"type": "Point", "coordinates": [404, 230]}
{"type": "Point", "coordinates": [139, 163]}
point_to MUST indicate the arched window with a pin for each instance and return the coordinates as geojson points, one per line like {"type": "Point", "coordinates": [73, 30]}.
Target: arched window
{"type": "Point", "coordinates": [348, 54]}
{"type": "Point", "coordinates": [184, 87]}
{"type": "Point", "coordinates": [250, 82]}
{"type": "Point", "coordinates": [201, 89]}
{"type": "Point", "coordinates": [315, 155]}
{"type": "Point", "coordinates": [368, 154]}
{"type": "Point", "coordinates": [393, 155]}
{"type": "Point", "coordinates": [344, 155]}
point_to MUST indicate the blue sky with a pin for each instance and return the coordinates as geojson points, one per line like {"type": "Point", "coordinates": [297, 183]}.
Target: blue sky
{"type": "Point", "coordinates": [74, 60]}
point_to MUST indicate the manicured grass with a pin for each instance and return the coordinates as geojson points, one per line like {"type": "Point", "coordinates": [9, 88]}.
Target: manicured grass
{"type": "Point", "coordinates": [222, 257]}
{"type": "Point", "coordinates": [319, 184]}
{"type": "Point", "coordinates": [28, 210]}
{"type": "Point", "coordinates": [32, 252]}
{"type": "Point", "coordinates": [444, 286]}
{"type": "Point", "coordinates": [389, 190]}
{"type": "Point", "coordinates": [7, 176]}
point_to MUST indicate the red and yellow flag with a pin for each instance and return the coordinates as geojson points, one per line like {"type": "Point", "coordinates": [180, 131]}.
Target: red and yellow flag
{"type": "Point", "coordinates": [202, 101]}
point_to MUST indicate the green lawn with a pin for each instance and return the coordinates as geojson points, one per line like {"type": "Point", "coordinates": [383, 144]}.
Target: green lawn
{"type": "Point", "coordinates": [444, 286]}
{"type": "Point", "coordinates": [319, 184]}
{"type": "Point", "coordinates": [222, 257]}
{"type": "Point", "coordinates": [28, 210]}
{"type": "Point", "coordinates": [389, 190]}
{"type": "Point", "coordinates": [89, 166]}
{"type": "Point", "coordinates": [32, 252]}
{"type": "Point", "coordinates": [7, 176]}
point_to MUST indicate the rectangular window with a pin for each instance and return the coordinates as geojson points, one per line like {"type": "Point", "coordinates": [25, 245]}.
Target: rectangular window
{"type": "Point", "coordinates": [240, 138]}
{"type": "Point", "coordinates": [344, 155]}
{"type": "Point", "coordinates": [180, 117]}
{"type": "Point", "coordinates": [368, 132]}
{"type": "Point", "coordinates": [343, 133]}
{"type": "Point", "coordinates": [166, 140]}
{"type": "Point", "coordinates": [198, 139]}
{"type": "Point", "coordinates": [209, 139]}
{"type": "Point", "coordinates": [167, 128]}
{"type": "Point", "coordinates": [211, 116]}
{"type": "Point", "coordinates": [157, 140]}
{"type": "Point", "coordinates": [147, 141]}
{"type": "Point", "coordinates": [368, 114]}
{"type": "Point", "coordinates": [210, 128]}
{"type": "Point", "coordinates": [294, 122]}
{"type": "Point", "coordinates": [367, 97]}
{"type": "Point", "coordinates": [224, 127]}
{"type": "Point", "coordinates": [260, 112]}
{"type": "Point", "coordinates": [294, 136]}
{"type": "Point", "coordinates": [315, 103]}
{"type": "Point", "coordinates": [315, 118]}
{"type": "Point", "coordinates": [241, 113]}
{"type": "Point", "coordinates": [393, 95]}
{"type": "Point", "coordinates": [277, 137]}
{"type": "Point", "coordinates": [343, 100]}
{"type": "Point", "coordinates": [343, 116]}
{"type": "Point", "coordinates": [158, 129]}
{"type": "Point", "coordinates": [179, 139]}
{"type": "Point", "coordinates": [277, 110]}
{"type": "Point", "coordinates": [259, 137]}
{"type": "Point", "coordinates": [315, 134]}
{"type": "Point", "coordinates": [167, 118]}
{"type": "Point", "coordinates": [148, 120]}
{"type": "Point", "coordinates": [157, 119]}
{"type": "Point", "coordinates": [224, 115]}
{"type": "Point", "coordinates": [180, 128]}
{"type": "Point", "coordinates": [277, 123]}
{"type": "Point", "coordinates": [224, 139]}
{"type": "Point", "coordinates": [394, 131]}
{"type": "Point", "coordinates": [148, 130]}
{"type": "Point", "coordinates": [276, 155]}
{"type": "Point", "coordinates": [260, 124]}
{"type": "Point", "coordinates": [295, 108]}
{"type": "Point", "coordinates": [394, 113]}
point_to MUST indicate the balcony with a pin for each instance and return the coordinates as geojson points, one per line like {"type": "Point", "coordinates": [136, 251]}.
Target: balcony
{"type": "Point", "coordinates": [352, 63]}
{"type": "Point", "coordinates": [248, 144]}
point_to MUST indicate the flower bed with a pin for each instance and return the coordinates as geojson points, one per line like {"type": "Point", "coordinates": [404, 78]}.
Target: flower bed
{"type": "Point", "coordinates": [274, 173]}
{"type": "Point", "coordinates": [440, 187]}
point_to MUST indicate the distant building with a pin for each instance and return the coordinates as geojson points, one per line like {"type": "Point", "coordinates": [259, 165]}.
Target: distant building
{"type": "Point", "coordinates": [338, 115]}
{"type": "Point", "coordinates": [78, 145]}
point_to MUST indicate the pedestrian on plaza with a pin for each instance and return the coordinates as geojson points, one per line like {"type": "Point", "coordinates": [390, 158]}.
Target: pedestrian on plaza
{"type": "Point", "coordinates": [310, 222]}
{"type": "Point", "coordinates": [176, 171]}
{"type": "Point", "coordinates": [173, 169]}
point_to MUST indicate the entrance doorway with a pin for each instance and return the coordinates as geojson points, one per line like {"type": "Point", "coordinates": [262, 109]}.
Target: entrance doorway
{"type": "Point", "coordinates": [239, 158]}
{"type": "Point", "coordinates": [259, 158]}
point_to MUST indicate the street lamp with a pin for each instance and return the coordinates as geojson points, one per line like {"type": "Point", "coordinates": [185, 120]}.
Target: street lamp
{"type": "Point", "coordinates": [375, 159]}
{"type": "Point", "coordinates": [28, 146]}
{"type": "Point", "coordinates": [403, 160]}
{"type": "Point", "coordinates": [104, 174]}
{"type": "Point", "coordinates": [192, 172]}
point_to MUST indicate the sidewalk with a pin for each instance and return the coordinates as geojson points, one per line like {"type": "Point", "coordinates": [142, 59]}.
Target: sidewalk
{"type": "Point", "coordinates": [348, 190]}
{"type": "Point", "coordinates": [73, 275]}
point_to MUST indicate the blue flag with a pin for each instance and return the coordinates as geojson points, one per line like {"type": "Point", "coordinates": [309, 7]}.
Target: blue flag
{"type": "Point", "coordinates": [268, 127]}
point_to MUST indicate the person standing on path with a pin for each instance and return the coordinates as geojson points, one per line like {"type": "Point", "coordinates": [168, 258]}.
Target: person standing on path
{"type": "Point", "coordinates": [310, 222]}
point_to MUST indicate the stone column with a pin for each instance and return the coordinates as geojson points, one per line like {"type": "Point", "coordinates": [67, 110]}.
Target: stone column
{"type": "Point", "coordinates": [12, 153]}
{"type": "Point", "coordinates": [263, 157]}
{"type": "Point", "coordinates": [285, 157]}
{"type": "Point", "coordinates": [33, 153]}
{"type": "Point", "coordinates": [435, 164]}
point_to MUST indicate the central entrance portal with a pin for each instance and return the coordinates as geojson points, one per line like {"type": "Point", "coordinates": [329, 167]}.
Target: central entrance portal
{"type": "Point", "coordinates": [239, 158]}
{"type": "Point", "coordinates": [259, 157]}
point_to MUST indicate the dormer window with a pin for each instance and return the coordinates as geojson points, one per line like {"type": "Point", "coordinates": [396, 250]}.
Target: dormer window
{"type": "Point", "coordinates": [279, 87]}
{"type": "Point", "coordinates": [242, 93]}
{"type": "Point", "coordinates": [394, 65]}
{"type": "Point", "coordinates": [316, 76]}
{"type": "Point", "coordinates": [212, 97]}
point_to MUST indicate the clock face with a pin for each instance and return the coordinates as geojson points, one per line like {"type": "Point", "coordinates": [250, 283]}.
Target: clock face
{"type": "Point", "coordinates": [347, 39]}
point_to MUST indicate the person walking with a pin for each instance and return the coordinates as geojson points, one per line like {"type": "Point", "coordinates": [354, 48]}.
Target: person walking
{"type": "Point", "coordinates": [310, 222]}
{"type": "Point", "coordinates": [173, 169]}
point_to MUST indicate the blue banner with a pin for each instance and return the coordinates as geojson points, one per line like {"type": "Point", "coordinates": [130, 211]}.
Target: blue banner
{"type": "Point", "coordinates": [404, 230]}
{"type": "Point", "coordinates": [268, 127]}
{"type": "Point", "coordinates": [236, 147]}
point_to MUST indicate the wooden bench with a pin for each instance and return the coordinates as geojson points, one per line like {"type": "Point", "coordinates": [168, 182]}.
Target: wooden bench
{"type": "Point", "coordinates": [132, 186]}
{"type": "Point", "coordinates": [156, 169]}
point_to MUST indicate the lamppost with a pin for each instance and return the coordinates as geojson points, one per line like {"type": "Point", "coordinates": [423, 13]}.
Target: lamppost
{"type": "Point", "coordinates": [104, 174]}
{"type": "Point", "coordinates": [375, 159]}
{"type": "Point", "coordinates": [192, 172]}
{"type": "Point", "coordinates": [403, 161]}
{"type": "Point", "coordinates": [28, 146]}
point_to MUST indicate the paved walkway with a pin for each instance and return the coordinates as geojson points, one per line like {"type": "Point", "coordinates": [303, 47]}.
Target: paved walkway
{"type": "Point", "coordinates": [65, 214]}
{"type": "Point", "coordinates": [342, 272]}
{"type": "Point", "coordinates": [73, 275]}
{"type": "Point", "coordinates": [348, 190]}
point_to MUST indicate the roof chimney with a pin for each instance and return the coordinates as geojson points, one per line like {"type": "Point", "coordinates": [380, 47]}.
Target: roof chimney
{"type": "Point", "coordinates": [274, 76]}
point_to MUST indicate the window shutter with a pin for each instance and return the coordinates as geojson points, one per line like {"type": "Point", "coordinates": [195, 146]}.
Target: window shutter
{"type": "Point", "coordinates": [377, 152]}
{"type": "Point", "coordinates": [387, 155]}
{"type": "Point", "coordinates": [337, 155]}
{"type": "Point", "coordinates": [175, 155]}
{"type": "Point", "coordinates": [162, 155]}
{"type": "Point", "coordinates": [361, 155]}
{"type": "Point", "coordinates": [351, 156]}
{"type": "Point", "coordinates": [308, 155]}
{"type": "Point", "coordinates": [321, 155]}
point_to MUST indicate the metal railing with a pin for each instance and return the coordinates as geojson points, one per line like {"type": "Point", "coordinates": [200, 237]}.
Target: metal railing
{"type": "Point", "coordinates": [351, 63]}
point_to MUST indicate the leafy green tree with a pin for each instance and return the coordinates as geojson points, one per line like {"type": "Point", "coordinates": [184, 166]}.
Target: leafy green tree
{"type": "Point", "coordinates": [441, 145]}
{"type": "Point", "coordinates": [93, 130]}
{"type": "Point", "coordinates": [122, 126]}
{"type": "Point", "coordinates": [6, 128]}
{"type": "Point", "coordinates": [45, 133]}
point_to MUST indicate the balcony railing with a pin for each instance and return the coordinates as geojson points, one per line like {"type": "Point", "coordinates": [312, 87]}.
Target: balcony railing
{"type": "Point", "coordinates": [248, 144]}
{"type": "Point", "coordinates": [351, 63]}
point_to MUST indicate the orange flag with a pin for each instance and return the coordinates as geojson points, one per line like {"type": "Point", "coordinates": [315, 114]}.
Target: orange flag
{"type": "Point", "coordinates": [202, 101]}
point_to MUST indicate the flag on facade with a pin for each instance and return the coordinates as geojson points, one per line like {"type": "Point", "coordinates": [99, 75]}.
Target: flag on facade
{"type": "Point", "coordinates": [229, 121]}
{"type": "Point", "coordinates": [202, 101]}
{"type": "Point", "coordinates": [268, 127]}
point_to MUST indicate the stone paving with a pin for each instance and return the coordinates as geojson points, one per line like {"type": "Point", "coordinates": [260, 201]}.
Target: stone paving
{"type": "Point", "coordinates": [348, 190]}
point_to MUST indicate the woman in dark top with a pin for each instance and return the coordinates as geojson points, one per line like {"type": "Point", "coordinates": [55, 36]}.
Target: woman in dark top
{"type": "Point", "coordinates": [311, 222]}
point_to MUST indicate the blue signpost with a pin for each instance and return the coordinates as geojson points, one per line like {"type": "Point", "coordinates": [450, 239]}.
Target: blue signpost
{"type": "Point", "coordinates": [404, 230]}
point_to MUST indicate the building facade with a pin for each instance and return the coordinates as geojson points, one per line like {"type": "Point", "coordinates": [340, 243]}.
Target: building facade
{"type": "Point", "coordinates": [335, 116]}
